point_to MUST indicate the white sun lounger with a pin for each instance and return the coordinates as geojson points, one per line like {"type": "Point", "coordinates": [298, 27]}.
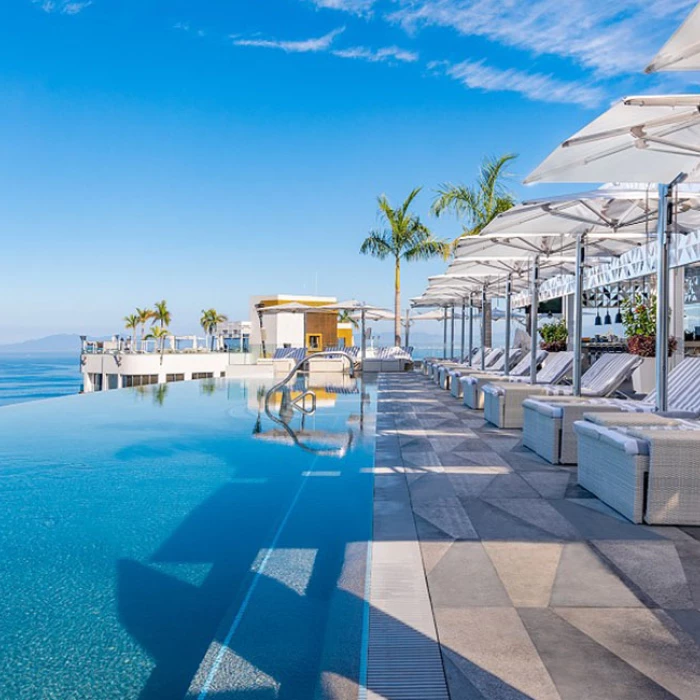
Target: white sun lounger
{"type": "Point", "coordinates": [471, 385]}
{"type": "Point", "coordinates": [548, 430]}
{"type": "Point", "coordinates": [503, 400]}
{"type": "Point", "coordinates": [491, 360]}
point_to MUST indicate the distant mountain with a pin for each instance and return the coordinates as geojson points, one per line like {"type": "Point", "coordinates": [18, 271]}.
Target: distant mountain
{"type": "Point", "coordinates": [65, 342]}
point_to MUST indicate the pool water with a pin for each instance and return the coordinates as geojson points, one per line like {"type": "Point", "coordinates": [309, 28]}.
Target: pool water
{"type": "Point", "coordinates": [176, 541]}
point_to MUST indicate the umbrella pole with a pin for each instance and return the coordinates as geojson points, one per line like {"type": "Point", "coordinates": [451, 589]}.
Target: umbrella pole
{"type": "Point", "coordinates": [534, 303]}
{"type": "Point", "coordinates": [471, 331]}
{"type": "Point", "coordinates": [408, 326]}
{"type": "Point", "coordinates": [483, 327]}
{"type": "Point", "coordinates": [662, 296]}
{"type": "Point", "coordinates": [444, 334]}
{"type": "Point", "coordinates": [452, 333]}
{"type": "Point", "coordinates": [363, 342]}
{"type": "Point", "coordinates": [509, 290]}
{"type": "Point", "coordinates": [578, 314]}
{"type": "Point", "coordinates": [462, 346]}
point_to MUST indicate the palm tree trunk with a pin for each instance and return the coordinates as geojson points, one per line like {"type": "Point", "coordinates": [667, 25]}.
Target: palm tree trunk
{"type": "Point", "coordinates": [397, 302]}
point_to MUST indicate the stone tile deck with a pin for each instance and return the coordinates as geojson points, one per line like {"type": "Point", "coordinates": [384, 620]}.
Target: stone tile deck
{"type": "Point", "coordinates": [538, 589]}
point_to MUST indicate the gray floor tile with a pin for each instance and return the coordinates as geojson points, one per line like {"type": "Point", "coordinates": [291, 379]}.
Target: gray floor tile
{"type": "Point", "coordinates": [491, 648]}
{"type": "Point", "coordinates": [549, 484]}
{"type": "Point", "coordinates": [645, 642]}
{"type": "Point", "coordinates": [451, 519]}
{"type": "Point", "coordinates": [509, 486]}
{"type": "Point", "coordinates": [654, 567]}
{"type": "Point", "coordinates": [537, 512]}
{"type": "Point", "coordinates": [584, 581]}
{"type": "Point", "coordinates": [465, 577]}
{"type": "Point", "coordinates": [526, 569]}
{"type": "Point", "coordinates": [581, 668]}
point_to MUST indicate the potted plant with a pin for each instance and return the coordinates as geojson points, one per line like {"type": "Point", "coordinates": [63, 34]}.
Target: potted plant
{"type": "Point", "coordinates": [554, 336]}
{"type": "Point", "coordinates": [639, 321]}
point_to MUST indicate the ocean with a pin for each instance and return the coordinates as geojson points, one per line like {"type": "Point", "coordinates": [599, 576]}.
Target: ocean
{"type": "Point", "coordinates": [28, 377]}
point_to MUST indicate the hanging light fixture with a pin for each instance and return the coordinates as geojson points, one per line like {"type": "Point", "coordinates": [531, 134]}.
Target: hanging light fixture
{"type": "Point", "coordinates": [598, 320]}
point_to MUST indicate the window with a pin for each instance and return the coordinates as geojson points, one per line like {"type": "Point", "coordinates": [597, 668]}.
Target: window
{"type": "Point", "coordinates": [174, 377]}
{"type": "Point", "coordinates": [314, 341]}
{"type": "Point", "coordinates": [130, 380]}
{"type": "Point", "coordinates": [202, 375]}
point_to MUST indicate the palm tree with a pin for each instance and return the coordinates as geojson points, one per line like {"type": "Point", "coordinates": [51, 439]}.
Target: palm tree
{"type": "Point", "coordinates": [161, 315]}
{"type": "Point", "coordinates": [131, 322]}
{"type": "Point", "coordinates": [211, 318]}
{"type": "Point", "coordinates": [478, 204]}
{"type": "Point", "coordinates": [159, 334]}
{"type": "Point", "coordinates": [346, 317]}
{"type": "Point", "coordinates": [144, 316]}
{"type": "Point", "coordinates": [405, 238]}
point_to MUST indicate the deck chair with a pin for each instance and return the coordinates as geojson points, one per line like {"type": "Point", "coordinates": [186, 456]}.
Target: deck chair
{"type": "Point", "coordinates": [472, 384]}
{"type": "Point", "coordinates": [548, 428]}
{"type": "Point", "coordinates": [503, 400]}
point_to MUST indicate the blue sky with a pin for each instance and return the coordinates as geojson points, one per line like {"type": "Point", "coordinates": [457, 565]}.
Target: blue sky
{"type": "Point", "coordinates": [205, 151]}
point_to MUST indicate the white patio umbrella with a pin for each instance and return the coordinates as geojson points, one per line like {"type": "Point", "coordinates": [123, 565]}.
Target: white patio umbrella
{"type": "Point", "coordinates": [364, 310]}
{"type": "Point", "coordinates": [682, 50]}
{"type": "Point", "coordinates": [603, 223]}
{"type": "Point", "coordinates": [654, 139]}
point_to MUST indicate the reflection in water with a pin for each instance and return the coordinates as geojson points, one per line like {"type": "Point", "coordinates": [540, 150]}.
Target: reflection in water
{"type": "Point", "coordinates": [326, 443]}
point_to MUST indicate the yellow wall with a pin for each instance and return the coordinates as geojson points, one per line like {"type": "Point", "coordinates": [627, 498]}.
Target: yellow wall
{"type": "Point", "coordinates": [346, 335]}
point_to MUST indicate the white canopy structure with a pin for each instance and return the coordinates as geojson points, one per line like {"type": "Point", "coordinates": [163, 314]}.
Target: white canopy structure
{"type": "Point", "coordinates": [654, 139]}
{"type": "Point", "coordinates": [682, 50]}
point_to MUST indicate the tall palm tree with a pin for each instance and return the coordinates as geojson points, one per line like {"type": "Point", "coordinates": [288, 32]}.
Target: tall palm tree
{"type": "Point", "coordinates": [159, 334]}
{"type": "Point", "coordinates": [211, 318]}
{"type": "Point", "coordinates": [161, 315]}
{"type": "Point", "coordinates": [405, 238]}
{"type": "Point", "coordinates": [478, 204]}
{"type": "Point", "coordinates": [144, 316]}
{"type": "Point", "coordinates": [131, 322]}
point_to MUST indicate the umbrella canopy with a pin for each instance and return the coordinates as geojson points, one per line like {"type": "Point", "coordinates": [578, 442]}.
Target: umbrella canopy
{"type": "Point", "coordinates": [654, 137]}
{"type": "Point", "coordinates": [293, 307]}
{"type": "Point", "coordinates": [682, 50]}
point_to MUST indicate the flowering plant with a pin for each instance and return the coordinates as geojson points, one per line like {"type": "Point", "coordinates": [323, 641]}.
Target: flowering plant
{"type": "Point", "coordinates": [639, 321]}
{"type": "Point", "coordinates": [554, 336]}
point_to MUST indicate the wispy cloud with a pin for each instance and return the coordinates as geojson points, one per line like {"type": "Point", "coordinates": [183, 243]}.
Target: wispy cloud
{"type": "Point", "coordinates": [534, 86]}
{"type": "Point", "coordinates": [355, 7]}
{"type": "Point", "coordinates": [317, 45]}
{"type": "Point", "coordinates": [389, 53]}
{"type": "Point", "coordinates": [610, 38]}
{"type": "Point", "coordinates": [64, 7]}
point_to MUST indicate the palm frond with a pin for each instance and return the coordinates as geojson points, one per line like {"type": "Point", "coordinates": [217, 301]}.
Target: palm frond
{"type": "Point", "coordinates": [377, 244]}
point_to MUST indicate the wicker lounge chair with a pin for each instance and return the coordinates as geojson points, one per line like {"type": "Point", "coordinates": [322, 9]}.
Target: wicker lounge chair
{"type": "Point", "coordinates": [471, 385]}
{"type": "Point", "coordinates": [431, 364]}
{"type": "Point", "coordinates": [503, 400]}
{"type": "Point", "coordinates": [649, 471]}
{"type": "Point", "coordinates": [549, 421]}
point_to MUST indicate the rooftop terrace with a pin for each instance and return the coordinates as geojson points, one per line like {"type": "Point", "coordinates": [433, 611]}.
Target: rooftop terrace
{"type": "Point", "coordinates": [527, 585]}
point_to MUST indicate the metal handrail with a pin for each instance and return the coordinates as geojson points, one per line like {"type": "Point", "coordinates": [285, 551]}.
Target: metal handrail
{"type": "Point", "coordinates": [300, 363]}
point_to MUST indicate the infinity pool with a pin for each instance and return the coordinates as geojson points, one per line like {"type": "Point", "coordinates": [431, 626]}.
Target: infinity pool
{"type": "Point", "coordinates": [179, 542]}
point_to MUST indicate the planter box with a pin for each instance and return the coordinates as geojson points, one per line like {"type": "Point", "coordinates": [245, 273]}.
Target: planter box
{"type": "Point", "coordinates": [644, 377]}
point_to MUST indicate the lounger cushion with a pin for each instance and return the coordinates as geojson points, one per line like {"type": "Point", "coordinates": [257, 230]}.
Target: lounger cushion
{"type": "Point", "coordinates": [619, 439]}
{"type": "Point", "coordinates": [544, 408]}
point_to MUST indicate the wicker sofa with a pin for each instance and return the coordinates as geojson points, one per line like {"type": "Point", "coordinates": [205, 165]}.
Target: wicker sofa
{"type": "Point", "coordinates": [503, 400]}
{"type": "Point", "coordinates": [645, 466]}
{"type": "Point", "coordinates": [549, 421]}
